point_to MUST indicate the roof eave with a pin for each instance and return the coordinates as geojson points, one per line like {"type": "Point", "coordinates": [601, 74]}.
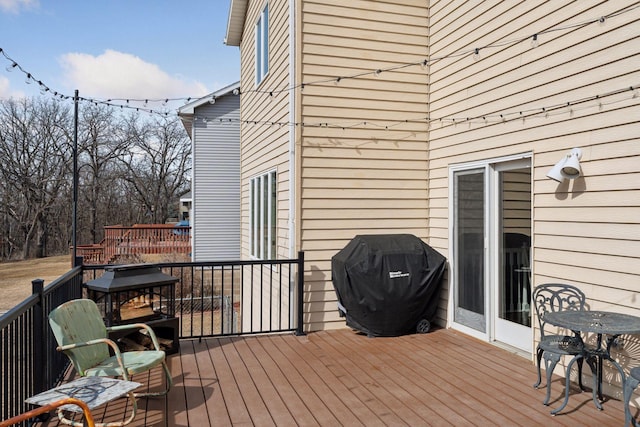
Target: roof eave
{"type": "Point", "coordinates": [190, 108]}
{"type": "Point", "coordinates": [187, 111]}
{"type": "Point", "coordinates": [235, 24]}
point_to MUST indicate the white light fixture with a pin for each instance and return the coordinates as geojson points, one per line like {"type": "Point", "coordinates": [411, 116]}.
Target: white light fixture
{"type": "Point", "coordinates": [568, 167]}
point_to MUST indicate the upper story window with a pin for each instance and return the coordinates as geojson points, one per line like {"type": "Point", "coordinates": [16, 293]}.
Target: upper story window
{"type": "Point", "coordinates": [263, 215]}
{"type": "Point", "coordinates": [262, 45]}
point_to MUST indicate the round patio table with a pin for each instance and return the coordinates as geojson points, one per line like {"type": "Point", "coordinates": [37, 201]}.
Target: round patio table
{"type": "Point", "coordinates": [600, 323]}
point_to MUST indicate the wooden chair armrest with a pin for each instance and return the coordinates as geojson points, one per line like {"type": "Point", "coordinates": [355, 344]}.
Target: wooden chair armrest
{"type": "Point", "coordinates": [88, 417]}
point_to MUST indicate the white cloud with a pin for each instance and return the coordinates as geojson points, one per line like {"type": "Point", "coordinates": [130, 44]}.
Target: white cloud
{"type": "Point", "coordinates": [4, 88]}
{"type": "Point", "coordinates": [6, 91]}
{"type": "Point", "coordinates": [121, 75]}
{"type": "Point", "coordinates": [15, 6]}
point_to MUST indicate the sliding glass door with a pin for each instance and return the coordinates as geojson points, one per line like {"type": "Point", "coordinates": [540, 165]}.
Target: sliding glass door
{"type": "Point", "coordinates": [469, 254]}
{"type": "Point", "coordinates": [491, 246]}
{"type": "Point", "coordinates": [513, 266]}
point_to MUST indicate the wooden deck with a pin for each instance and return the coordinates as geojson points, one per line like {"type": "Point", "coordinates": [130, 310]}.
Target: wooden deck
{"type": "Point", "coordinates": [332, 378]}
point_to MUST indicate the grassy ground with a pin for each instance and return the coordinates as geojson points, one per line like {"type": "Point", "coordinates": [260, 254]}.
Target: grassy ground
{"type": "Point", "coordinates": [16, 277]}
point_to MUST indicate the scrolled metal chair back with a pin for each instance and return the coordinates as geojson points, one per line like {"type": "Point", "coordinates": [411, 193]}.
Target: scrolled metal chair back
{"type": "Point", "coordinates": [552, 297]}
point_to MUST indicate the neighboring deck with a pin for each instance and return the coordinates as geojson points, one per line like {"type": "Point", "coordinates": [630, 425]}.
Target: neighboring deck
{"type": "Point", "coordinates": [332, 378]}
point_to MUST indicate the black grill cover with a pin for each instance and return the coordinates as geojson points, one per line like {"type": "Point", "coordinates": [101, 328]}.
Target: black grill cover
{"type": "Point", "coordinates": [387, 284]}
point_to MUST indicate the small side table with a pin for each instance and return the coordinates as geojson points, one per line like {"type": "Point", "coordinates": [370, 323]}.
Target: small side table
{"type": "Point", "coordinates": [94, 391]}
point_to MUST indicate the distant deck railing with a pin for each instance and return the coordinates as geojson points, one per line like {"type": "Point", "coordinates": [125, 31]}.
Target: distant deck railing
{"type": "Point", "coordinates": [122, 242]}
{"type": "Point", "coordinates": [212, 299]}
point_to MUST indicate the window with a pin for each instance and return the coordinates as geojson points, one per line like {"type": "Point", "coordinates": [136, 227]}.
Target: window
{"type": "Point", "coordinates": [263, 215]}
{"type": "Point", "coordinates": [262, 45]}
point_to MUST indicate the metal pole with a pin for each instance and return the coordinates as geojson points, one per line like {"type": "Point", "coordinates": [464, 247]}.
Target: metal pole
{"type": "Point", "coordinates": [40, 378]}
{"type": "Point", "coordinates": [74, 219]}
{"type": "Point", "coordinates": [300, 325]}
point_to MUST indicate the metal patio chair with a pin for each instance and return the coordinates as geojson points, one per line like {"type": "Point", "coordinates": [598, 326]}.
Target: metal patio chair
{"type": "Point", "coordinates": [82, 335]}
{"type": "Point", "coordinates": [553, 297]}
{"type": "Point", "coordinates": [629, 385]}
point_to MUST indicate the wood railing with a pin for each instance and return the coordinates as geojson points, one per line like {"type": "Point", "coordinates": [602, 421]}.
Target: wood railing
{"type": "Point", "coordinates": [122, 242]}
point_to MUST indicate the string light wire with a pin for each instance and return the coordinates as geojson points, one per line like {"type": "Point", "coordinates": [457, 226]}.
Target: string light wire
{"type": "Point", "coordinates": [123, 103]}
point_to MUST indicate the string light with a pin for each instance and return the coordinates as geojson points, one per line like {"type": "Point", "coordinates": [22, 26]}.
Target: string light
{"type": "Point", "coordinates": [474, 51]}
{"type": "Point", "coordinates": [423, 63]}
{"type": "Point", "coordinates": [534, 41]}
{"type": "Point", "coordinates": [486, 119]}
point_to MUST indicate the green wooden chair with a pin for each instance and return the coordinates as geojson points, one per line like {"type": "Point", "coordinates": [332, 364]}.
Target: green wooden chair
{"type": "Point", "coordinates": [82, 335]}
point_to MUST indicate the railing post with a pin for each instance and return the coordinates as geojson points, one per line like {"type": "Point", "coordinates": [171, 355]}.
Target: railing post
{"type": "Point", "coordinates": [39, 365]}
{"type": "Point", "coordinates": [300, 326]}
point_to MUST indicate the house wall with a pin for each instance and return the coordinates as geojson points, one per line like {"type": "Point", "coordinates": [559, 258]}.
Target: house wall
{"type": "Point", "coordinates": [264, 117]}
{"type": "Point", "coordinates": [363, 168]}
{"type": "Point", "coordinates": [587, 231]}
{"type": "Point", "coordinates": [375, 151]}
{"type": "Point", "coordinates": [216, 181]}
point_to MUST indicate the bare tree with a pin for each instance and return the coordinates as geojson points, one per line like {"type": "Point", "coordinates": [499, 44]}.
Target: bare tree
{"type": "Point", "coordinates": [102, 140]}
{"type": "Point", "coordinates": [158, 165]}
{"type": "Point", "coordinates": [35, 152]}
{"type": "Point", "coordinates": [132, 169]}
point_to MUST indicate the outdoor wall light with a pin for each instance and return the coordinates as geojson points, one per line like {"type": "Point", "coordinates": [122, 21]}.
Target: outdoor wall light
{"type": "Point", "coordinates": [568, 167]}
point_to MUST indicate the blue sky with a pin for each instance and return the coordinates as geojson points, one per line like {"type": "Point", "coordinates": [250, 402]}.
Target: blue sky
{"type": "Point", "coordinates": [132, 49]}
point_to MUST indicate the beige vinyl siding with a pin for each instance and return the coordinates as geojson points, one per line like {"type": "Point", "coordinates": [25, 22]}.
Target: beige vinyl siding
{"type": "Point", "coordinates": [264, 140]}
{"type": "Point", "coordinates": [265, 147]}
{"type": "Point", "coordinates": [587, 231]}
{"type": "Point", "coordinates": [370, 161]}
{"type": "Point", "coordinates": [359, 178]}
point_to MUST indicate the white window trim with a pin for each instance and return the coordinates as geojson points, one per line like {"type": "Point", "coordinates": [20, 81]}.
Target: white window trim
{"type": "Point", "coordinates": [485, 164]}
{"type": "Point", "coordinates": [262, 45]}
{"type": "Point", "coordinates": [260, 217]}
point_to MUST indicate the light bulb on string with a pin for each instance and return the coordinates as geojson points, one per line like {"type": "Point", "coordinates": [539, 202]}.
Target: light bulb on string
{"type": "Point", "coordinates": [27, 80]}
{"type": "Point", "coordinates": [11, 67]}
{"type": "Point", "coordinates": [476, 54]}
{"type": "Point", "coordinates": [534, 41]}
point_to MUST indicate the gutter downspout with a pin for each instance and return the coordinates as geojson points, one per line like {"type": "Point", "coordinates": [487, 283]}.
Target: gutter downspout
{"type": "Point", "coordinates": [192, 209]}
{"type": "Point", "coordinates": [293, 290]}
{"type": "Point", "coordinates": [292, 130]}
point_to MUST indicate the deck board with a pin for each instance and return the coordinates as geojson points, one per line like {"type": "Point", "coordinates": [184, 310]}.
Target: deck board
{"type": "Point", "coordinates": [340, 377]}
